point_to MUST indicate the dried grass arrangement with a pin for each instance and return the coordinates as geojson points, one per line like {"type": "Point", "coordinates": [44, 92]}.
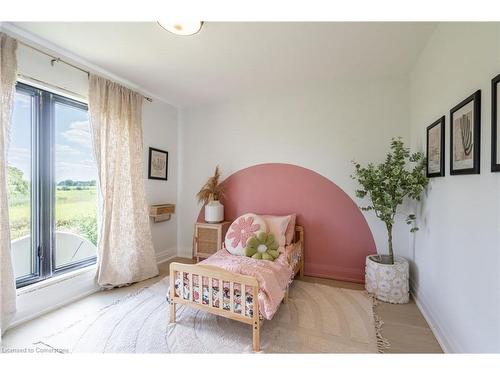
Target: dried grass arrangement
{"type": "Point", "coordinates": [212, 190]}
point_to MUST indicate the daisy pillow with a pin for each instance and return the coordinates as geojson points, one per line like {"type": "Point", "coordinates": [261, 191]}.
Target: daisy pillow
{"type": "Point", "coordinates": [243, 228]}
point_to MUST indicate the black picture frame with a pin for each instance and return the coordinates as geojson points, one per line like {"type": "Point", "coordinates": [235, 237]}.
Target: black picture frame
{"type": "Point", "coordinates": [476, 136]}
{"type": "Point", "coordinates": [440, 122]}
{"type": "Point", "coordinates": [495, 167]}
{"type": "Point", "coordinates": [155, 177]}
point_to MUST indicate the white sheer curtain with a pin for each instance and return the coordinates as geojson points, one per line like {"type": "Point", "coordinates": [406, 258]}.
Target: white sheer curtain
{"type": "Point", "coordinates": [125, 246]}
{"type": "Point", "coordinates": [8, 77]}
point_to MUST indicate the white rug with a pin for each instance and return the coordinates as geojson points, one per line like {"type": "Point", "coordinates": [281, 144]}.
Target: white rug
{"type": "Point", "coordinates": [317, 319]}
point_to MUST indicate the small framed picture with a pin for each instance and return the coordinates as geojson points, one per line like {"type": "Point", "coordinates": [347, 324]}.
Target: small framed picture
{"type": "Point", "coordinates": [465, 136]}
{"type": "Point", "coordinates": [495, 135]}
{"type": "Point", "coordinates": [435, 148]}
{"type": "Point", "coordinates": [158, 164]}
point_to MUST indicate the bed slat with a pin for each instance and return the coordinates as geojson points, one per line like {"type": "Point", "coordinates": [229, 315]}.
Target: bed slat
{"type": "Point", "coordinates": [190, 277]}
{"type": "Point", "coordinates": [243, 298]}
{"type": "Point", "coordinates": [231, 296]}
{"type": "Point", "coordinates": [221, 294]}
{"type": "Point", "coordinates": [210, 291]}
{"type": "Point", "coordinates": [182, 285]}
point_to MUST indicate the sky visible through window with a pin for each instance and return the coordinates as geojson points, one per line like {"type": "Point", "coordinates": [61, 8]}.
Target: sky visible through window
{"type": "Point", "coordinates": [19, 152]}
{"type": "Point", "coordinates": [74, 156]}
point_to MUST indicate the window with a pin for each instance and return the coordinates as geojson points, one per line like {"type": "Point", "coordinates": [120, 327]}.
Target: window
{"type": "Point", "coordinates": [52, 190]}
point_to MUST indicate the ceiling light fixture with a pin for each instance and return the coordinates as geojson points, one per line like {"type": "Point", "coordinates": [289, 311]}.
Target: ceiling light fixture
{"type": "Point", "coordinates": [182, 28]}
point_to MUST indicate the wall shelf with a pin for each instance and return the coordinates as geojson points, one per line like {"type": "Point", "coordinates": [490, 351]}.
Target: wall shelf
{"type": "Point", "coordinates": [161, 212]}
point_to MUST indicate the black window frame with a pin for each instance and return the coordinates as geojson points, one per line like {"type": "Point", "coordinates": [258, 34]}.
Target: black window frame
{"type": "Point", "coordinates": [43, 186]}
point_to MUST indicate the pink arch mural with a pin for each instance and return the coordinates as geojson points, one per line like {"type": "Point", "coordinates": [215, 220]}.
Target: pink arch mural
{"type": "Point", "coordinates": [337, 236]}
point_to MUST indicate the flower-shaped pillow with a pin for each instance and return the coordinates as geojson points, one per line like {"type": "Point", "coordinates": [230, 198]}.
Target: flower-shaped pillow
{"type": "Point", "coordinates": [243, 228]}
{"type": "Point", "coordinates": [262, 246]}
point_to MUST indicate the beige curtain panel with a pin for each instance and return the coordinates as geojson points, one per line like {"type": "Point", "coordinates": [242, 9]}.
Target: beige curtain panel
{"type": "Point", "coordinates": [8, 77]}
{"type": "Point", "coordinates": [125, 247]}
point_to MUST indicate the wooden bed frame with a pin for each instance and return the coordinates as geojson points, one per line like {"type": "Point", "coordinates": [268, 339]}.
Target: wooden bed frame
{"type": "Point", "coordinates": [223, 276]}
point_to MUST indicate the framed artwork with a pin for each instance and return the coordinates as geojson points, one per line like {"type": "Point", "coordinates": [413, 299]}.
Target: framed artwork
{"type": "Point", "coordinates": [495, 135]}
{"type": "Point", "coordinates": [465, 136]}
{"type": "Point", "coordinates": [435, 148]}
{"type": "Point", "coordinates": [158, 164]}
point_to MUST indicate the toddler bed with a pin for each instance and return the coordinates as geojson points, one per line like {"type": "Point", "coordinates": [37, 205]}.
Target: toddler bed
{"type": "Point", "coordinates": [225, 285]}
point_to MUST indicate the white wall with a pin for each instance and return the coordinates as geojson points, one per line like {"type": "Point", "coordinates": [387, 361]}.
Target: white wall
{"type": "Point", "coordinates": [319, 127]}
{"type": "Point", "coordinates": [456, 260]}
{"type": "Point", "coordinates": [160, 131]}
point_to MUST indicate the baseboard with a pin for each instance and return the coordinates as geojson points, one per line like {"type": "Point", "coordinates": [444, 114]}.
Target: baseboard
{"type": "Point", "coordinates": [165, 255]}
{"type": "Point", "coordinates": [330, 271]}
{"type": "Point", "coordinates": [320, 275]}
{"type": "Point", "coordinates": [442, 338]}
{"type": "Point", "coordinates": [186, 252]}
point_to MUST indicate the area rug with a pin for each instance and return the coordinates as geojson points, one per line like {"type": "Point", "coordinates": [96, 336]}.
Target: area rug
{"type": "Point", "coordinates": [317, 319]}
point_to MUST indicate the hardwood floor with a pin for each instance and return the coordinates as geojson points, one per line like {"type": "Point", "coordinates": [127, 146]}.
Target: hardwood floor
{"type": "Point", "coordinates": [404, 325]}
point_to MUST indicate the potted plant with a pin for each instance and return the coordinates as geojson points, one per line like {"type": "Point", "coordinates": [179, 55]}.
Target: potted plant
{"type": "Point", "coordinates": [387, 185]}
{"type": "Point", "coordinates": [209, 195]}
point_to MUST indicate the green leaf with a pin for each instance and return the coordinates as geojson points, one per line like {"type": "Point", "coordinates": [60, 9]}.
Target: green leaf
{"type": "Point", "coordinates": [401, 176]}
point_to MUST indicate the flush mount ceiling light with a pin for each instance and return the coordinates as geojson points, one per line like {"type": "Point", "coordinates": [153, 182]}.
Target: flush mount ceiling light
{"type": "Point", "coordinates": [182, 28]}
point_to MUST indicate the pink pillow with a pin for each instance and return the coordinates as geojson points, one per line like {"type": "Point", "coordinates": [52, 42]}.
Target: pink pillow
{"type": "Point", "coordinates": [290, 230]}
{"type": "Point", "coordinates": [277, 225]}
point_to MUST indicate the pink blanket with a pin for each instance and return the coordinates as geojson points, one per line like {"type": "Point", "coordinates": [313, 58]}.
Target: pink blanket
{"type": "Point", "coordinates": [273, 277]}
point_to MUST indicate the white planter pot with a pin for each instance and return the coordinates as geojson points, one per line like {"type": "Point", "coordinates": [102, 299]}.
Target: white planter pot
{"type": "Point", "coordinates": [388, 282]}
{"type": "Point", "coordinates": [214, 212]}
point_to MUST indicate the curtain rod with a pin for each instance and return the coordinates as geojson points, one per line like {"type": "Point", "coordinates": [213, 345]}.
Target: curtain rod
{"type": "Point", "coordinates": [55, 59]}
{"type": "Point", "coordinates": [35, 81]}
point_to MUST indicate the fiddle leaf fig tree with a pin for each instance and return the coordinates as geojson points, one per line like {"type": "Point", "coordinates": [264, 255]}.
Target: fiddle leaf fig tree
{"type": "Point", "coordinates": [388, 184]}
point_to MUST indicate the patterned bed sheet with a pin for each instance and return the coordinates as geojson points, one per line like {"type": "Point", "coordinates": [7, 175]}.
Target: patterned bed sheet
{"type": "Point", "coordinates": [182, 287]}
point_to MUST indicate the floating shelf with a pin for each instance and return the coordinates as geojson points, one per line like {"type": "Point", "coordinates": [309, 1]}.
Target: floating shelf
{"type": "Point", "coordinates": [161, 212]}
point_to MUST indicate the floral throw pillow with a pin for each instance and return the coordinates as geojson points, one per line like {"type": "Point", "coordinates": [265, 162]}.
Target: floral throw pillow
{"type": "Point", "coordinates": [243, 228]}
{"type": "Point", "coordinates": [262, 246]}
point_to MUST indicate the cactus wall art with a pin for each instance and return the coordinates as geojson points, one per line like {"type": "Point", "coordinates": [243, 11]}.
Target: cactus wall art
{"type": "Point", "coordinates": [465, 135]}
